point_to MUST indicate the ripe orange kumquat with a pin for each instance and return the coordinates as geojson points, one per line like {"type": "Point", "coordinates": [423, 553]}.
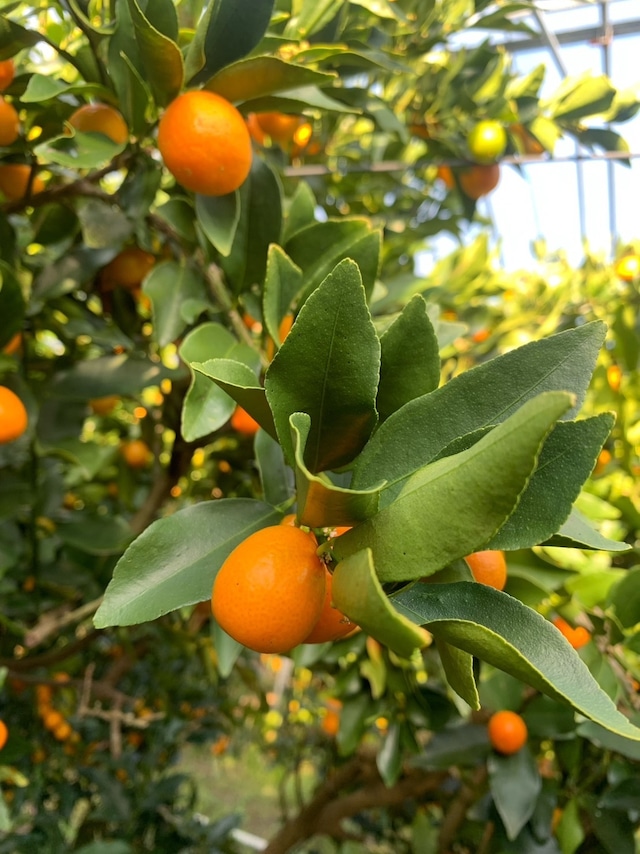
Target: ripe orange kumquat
{"type": "Point", "coordinates": [489, 567]}
{"type": "Point", "coordinates": [9, 123]}
{"type": "Point", "coordinates": [479, 180]}
{"type": "Point", "coordinates": [15, 180]}
{"type": "Point", "coordinates": [269, 592]}
{"type": "Point", "coordinates": [4, 734]}
{"type": "Point", "coordinates": [289, 519]}
{"type": "Point", "coordinates": [13, 345]}
{"type": "Point", "coordinates": [205, 143]}
{"type": "Point", "coordinates": [243, 423]}
{"type": "Point", "coordinates": [332, 624]}
{"type": "Point", "coordinates": [614, 377]}
{"type": "Point", "coordinates": [136, 453]}
{"type": "Point", "coordinates": [627, 267]}
{"type": "Point", "coordinates": [13, 416]}
{"type": "Point", "coordinates": [7, 73]}
{"type": "Point", "coordinates": [129, 268]}
{"type": "Point", "coordinates": [104, 405]}
{"type": "Point", "coordinates": [100, 118]}
{"type": "Point", "coordinates": [507, 732]}
{"type": "Point", "coordinates": [577, 637]}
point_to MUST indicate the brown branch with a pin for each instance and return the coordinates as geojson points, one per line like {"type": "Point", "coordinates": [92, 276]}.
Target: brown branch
{"type": "Point", "coordinates": [458, 808]}
{"type": "Point", "coordinates": [53, 621]}
{"type": "Point", "coordinates": [49, 658]}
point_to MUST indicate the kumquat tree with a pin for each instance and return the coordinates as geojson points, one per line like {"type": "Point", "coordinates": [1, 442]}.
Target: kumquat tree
{"type": "Point", "coordinates": [279, 512]}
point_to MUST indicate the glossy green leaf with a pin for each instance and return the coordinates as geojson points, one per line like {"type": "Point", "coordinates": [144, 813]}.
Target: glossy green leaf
{"type": "Point", "coordinates": [95, 535]}
{"type": "Point", "coordinates": [410, 361]}
{"type": "Point", "coordinates": [459, 744]}
{"type": "Point", "coordinates": [13, 37]}
{"type": "Point", "coordinates": [43, 87]}
{"type": "Point", "coordinates": [458, 668]}
{"type": "Point", "coordinates": [322, 504]}
{"type": "Point", "coordinates": [281, 285]}
{"type": "Point", "coordinates": [174, 561]}
{"type": "Point", "coordinates": [566, 461]}
{"type": "Point", "coordinates": [103, 225]}
{"type": "Point", "coordinates": [12, 305]}
{"type": "Point", "coordinates": [580, 97]}
{"type": "Point", "coordinates": [263, 75]}
{"type": "Point", "coordinates": [312, 16]}
{"type": "Point", "coordinates": [515, 784]}
{"type": "Point", "coordinates": [452, 507]}
{"type": "Point", "coordinates": [502, 631]}
{"type": "Point", "coordinates": [241, 383]}
{"type": "Point", "coordinates": [79, 150]}
{"type": "Point", "coordinates": [107, 375]}
{"type": "Point", "coordinates": [168, 285]}
{"type": "Point", "coordinates": [478, 398]}
{"type": "Point", "coordinates": [319, 247]}
{"type": "Point", "coordinates": [297, 101]}
{"type": "Point", "coordinates": [577, 532]}
{"type": "Point", "coordinates": [624, 598]}
{"type": "Point", "coordinates": [227, 31]}
{"type": "Point", "coordinates": [227, 650]}
{"type": "Point", "coordinates": [358, 594]}
{"type": "Point", "coordinates": [206, 406]}
{"type": "Point", "coordinates": [300, 211]}
{"type": "Point", "coordinates": [127, 71]}
{"type": "Point", "coordinates": [218, 216]}
{"type": "Point", "coordinates": [160, 56]}
{"type": "Point", "coordinates": [275, 475]}
{"type": "Point", "coordinates": [328, 367]}
{"type": "Point", "coordinates": [389, 757]}
{"type": "Point", "coordinates": [258, 227]}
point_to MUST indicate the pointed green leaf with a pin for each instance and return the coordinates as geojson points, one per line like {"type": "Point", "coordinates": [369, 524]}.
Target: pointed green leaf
{"type": "Point", "coordinates": [160, 56]}
{"type": "Point", "coordinates": [264, 75]}
{"type": "Point", "coordinates": [227, 31]}
{"type": "Point", "coordinates": [42, 87]}
{"type": "Point", "coordinates": [206, 406]}
{"type": "Point", "coordinates": [107, 375]}
{"type": "Point", "coordinates": [480, 397]}
{"type": "Point", "coordinates": [275, 475]}
{"type": "Point", "coordinates": [300, 212]}
{"type": "Point", "coordinates": [389, 757]}
{"type": "Point", "coordinates": [281, 285]}
{"type": "Point", "coordinates": [582, 96]}
{"type": "Point", "coordinates": [227, 650]}
{"type": "Point", "coordinates": [502, 631]}
{"type": "Point", "coordinates": [79, 150]}
{"type": "Point", "coordinates": [566, 461]}
{"type": "Point", "coordinates": [312, 16]}
{"type": "Point", "coordinates": [317, 249]}
{"type": "Point", "coordinates": [242, 384]}
{"type": "Point", "coordinates": [321, 504]}
{"type": "Point", "coordinates": [328, 367]}
{"type": "Point", "coordinates": [218, 216]}
{"type": "Point", "coordinates": [174, 561]}
{"type": "Point", "coordinates": [357, 593]}
{"type": "Point", "coordinates": [410, 361]}
{"type": "Point", "coordinates": [127, 71]}
{"type": "Point", "coordinates": [458, 668]}
{"type": "Point", "coordinates": [95, 535]}
{"type": "Point", "coordinates": [515, 784]}
{"type": "Point", "coordinates": [452, 507]}
{"type": "Point", "coordinates": [259, 226]}
{"type": "Point", "coordinates": [624, 598]}
{"type": "Point", "coordinates": [578, 533]}
{"type": "Point", "coordinates": [168, 286]}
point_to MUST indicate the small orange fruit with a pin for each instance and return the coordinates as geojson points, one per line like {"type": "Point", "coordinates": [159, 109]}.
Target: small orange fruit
{"type": "Point", "coordinates": [487, 141]}
{"type": "Point", "coordinates": [614, 377]}
{"type": "Point", "coordinates": [507, 732]}
{"type": "Point", "coordinates": [104, 405]}
{"type": "Point", "coordinates": [289, 519]}
{"type": "Point", "coordinates": [243, 423]}
{"type": "Point", "coordinates": [129, 268]}
{"type": "Point", "coordinates": [7, 73]}
{"type": "Point", "coordinates": [269, 592]}
{"type": "Point", "coordinates": [481, 335]}
{"type": "Point", "coordinates": [604, 458]}
{"type": "Point", "coordinates": [52, 719]}
{"type": "Point", "coordinates": [13, 344]}
{"type": "Point", "coordinates": [627, 268]}
{"type": "Point", "coordinates": [9, 123]}
{"type": "Point", "coordinates": [281, 128]}
{"type": "Point", "coordinates": [529, 143]}
{"type": "Point", "coordinates": [136, 453]}
{"type": "Point", "coordinates": [205, 143]}
{"type": "Point", "coordinates": [331, 720]}
{"type": "Point", "coordinates": [14, 181]}
{"type": "Point", "coordinates": [577, 637]}
{"type": "Point", "coordinates": [332, 624]}
{"type": "Point", "coordinates": [445, 174]}
{"type": "Point", "coordinates": [63, 731]}
{"type": "Point", "coordinates": [479, 180]}
{"type": "Point", "coordinates": [100, 118]}
{"type": "Point", "coordinates": [283, 330]}
{"type": "Point", "coordinates": [488, 567]}
{"type": "Point", "coordinates": [13, 416]}
{"type": "Point", "coordinates": [4, 734]}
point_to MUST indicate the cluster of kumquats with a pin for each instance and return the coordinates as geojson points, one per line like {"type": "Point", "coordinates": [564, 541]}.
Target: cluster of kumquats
{"type": "Point", "coordinates": [52, 719]}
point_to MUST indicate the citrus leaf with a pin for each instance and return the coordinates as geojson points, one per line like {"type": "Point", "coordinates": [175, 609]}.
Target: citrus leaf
{"type": "Point", "coordinates": [174, 561]}
{"type": "Point", "coordinates": [566, 461]}
{"type": "Point", "coordinates": [42, 87]}
{"type": "Point", "coordinates": [168, 285]}
{"type": "Point", "coordinates": [313, 15]}
{"type": "Point", "coordinates": [95, 535]}
{"type": "Point", "coordinates": [577, 532]}
{"type": "Point", "coordinates": [319, 247]}
{"type": "Point", "coordinates": [206, 406]}
{"type": "Point", "coordinates": [107, 375]}
{"type": "Point", "coordinates": [458, 668]}
{"type": "Point", "coordinates": [281, 285]}
{"type": "Point", "coordinates": [275, 475]}
{"type": "Point", "coordinates": [227, 31]}
{"type": "Point", "coordinates": [79, 150]}
{"type": "Point", "coordinates": [452, 507]}
{"type": "Point", "coordinates": [263, 75]}
{"type": "Point", "coordinates": [160, 56]}
{"type": "Point", "coordinates": [12, 305]}
{"type": "Point", "coordinates": [409, 359]}
{"type": "Point", "coordinates": [218, 216]}
{"type": "Point", "coordinates": [300, 211]}
{"type": "Point", "coordinates": [328, 367]}
{"type": "Point", "coordinates": [321, 504]}
{"type": "Point", "coordinates": [502, 631]}
{"type": "Point", "coordinates": [242, 384]}
{"type": "Point", "coordinates": [127, 71]}
{"type": "Point", "coordinates": [580, 97]}
{"type": "Point", "coordinates": [515, 784]}
{"type": "Point", "coordinates": [359, 595]}
{"type": "Point", "coordinates": [481, 397]}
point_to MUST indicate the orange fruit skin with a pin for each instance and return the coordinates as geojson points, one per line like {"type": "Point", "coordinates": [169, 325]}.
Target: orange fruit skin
{"type": "Point", "coordinates": [577, 637]}
{"type": "Point", "coordinates": [101, 118]}
{"type": "Point", "coordinates": [136, 453]}
{"type": "Point", "coordinates": [205, 143]}
{"type": "Point", "coordinates": [269, 592]}
{"type": "Point", "coordinates": [489, 567]}
{"type": "Point", "coordinates": [332, 624]}
{"type": "Point", "coordinates": [289, 519]}
{"type": "Point", "coordinates": [627, 268]}
{"type": "Point", "coordinates": [52, 720]}
{"type": "Point", "coordinates": [479, 180]}
{"type": "Point", "coordinates": [614, 377]}
{"type": "Point", "coordinates": [507, 732]}
{"type": "Point", "coordinates": [103, 405]}
{"type": "Point", "coordinates": [9, 123]}
{"type": "Point", "coordinates": [14, 180]}
{"type": "Point", "coordinates": [13, 416]}
{"type": "Point", "coordinates": [129, 268]}
{"type": "Point", "coordinates": [4, 734]}
{"type": "Point", "coordinates": [7, 73]}
{"type": "Point", "coordinates": [280, 127]}
{"type": "Point", "coordinates": [445, 174]}
{"type": "Point", "coordinates": [13, 344]}
{"type": "Point", "coordinates": [487, 141]}
{"type": "Point", "coordinates": [243, 423]}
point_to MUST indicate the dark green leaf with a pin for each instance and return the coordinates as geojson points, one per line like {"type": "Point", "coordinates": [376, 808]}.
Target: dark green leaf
{"type": "Point", "coordinates": [227, 650]}
{"type": "Point", "coordinates": [96, 535]}
{"type": "Point", "coordinates": [12, 305]}
{"type": "Point", "coordinates": [174, 562]}
{"type": "Point", "coordinates": [160, 56]}
{"type": "Point", "coordinates": [218, 216]}
{"type": "Point", "coordinates": [300, 212]}
{"type": "Point", "coordinates": [328, 367]}
{"type": "Point", "coordinates": [577, 532]}
{"type": "Point", "coordinates": [389, 757]}
{"type": "Point", "coordinates": [79, 151]}
{"type": "Point", "coordinates": [168, 286]}
{"type": "Point", "coordinates": [263, 75]}
{"type": "Point", "coordinates": [275, 475]}
{"type": "Point", "coordinates": [624, 598]}
{"type": "Point", "coordinates": [460, 744]}
{"type": "Point", "coordinates": [515, 785]}
{"type": "Point", "coordinates": [107, 375]}
{"type": "Point", "coordinates": [615, 830]}
{"type": "Point", "coordinates": [281, 285]}
{"type": "Point", "coordinates": [458, 668]}
{"type": "Point", "coordinates": [127, 71]}
{"type": "Point", "coordinates": [505, 633]}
